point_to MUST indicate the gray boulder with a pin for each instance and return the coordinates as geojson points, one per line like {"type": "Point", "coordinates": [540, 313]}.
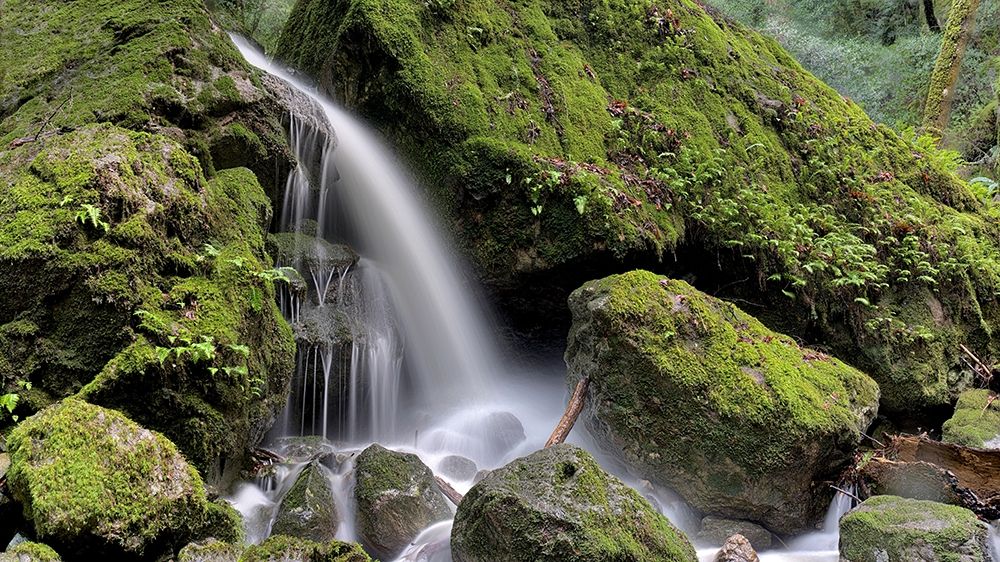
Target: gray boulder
{"type": "Point", "coordinates": [308, 510]}
{"type": "Point", "coordinates": [894, 529]}
{"type": "Point", "coordinates": [397, 498]}
{"type": "Point", "coordinates": [558, 505]}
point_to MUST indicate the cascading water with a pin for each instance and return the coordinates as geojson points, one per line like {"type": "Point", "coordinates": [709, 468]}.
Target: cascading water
{"type": "Point", "coordinates": [392, 347]}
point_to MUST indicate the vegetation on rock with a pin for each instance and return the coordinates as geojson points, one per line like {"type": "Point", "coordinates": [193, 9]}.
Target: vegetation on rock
{"type": "Point", "coordinates": [145, 242]}
{"type": "Point", "coordinates": [91, 480]}
{"type": "Point", "coordinates": [558, 505]}
{"type": "Point", "coordinates": [976, 421]}
{"type": "Point", "coordinates": [893, 528]}
{"type": "Point", "coordinates": [397, 498]}
{"type": "Point", "coordinates": [700, 396]}
{"type": "Point", "coordinates": [308, 510]}
{"type": "Point", "coordinates": [584, 132]}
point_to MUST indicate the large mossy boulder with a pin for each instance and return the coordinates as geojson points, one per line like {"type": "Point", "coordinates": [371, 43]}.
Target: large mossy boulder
{"type": "Point", "coordinates": [893, 529]}
{"type": "Point", "coordinates": [559, 505]}
{"type": "Point", "coordinates": [976, 422]}
{"type": "Point", "coordinates": [396, 497]}
{"type": "Point", "coordinates": [30, 552]}
{"type": "Point", "coordinates": [701, 397]}
{"type": "Point", "coordinates": [308, 510]}
{"type": "Point", "coordinates": [92, 481]}
{"type": "Point", "coordinates": [569, 137]}
{"type": "Point", "coordinates": [146, 254]}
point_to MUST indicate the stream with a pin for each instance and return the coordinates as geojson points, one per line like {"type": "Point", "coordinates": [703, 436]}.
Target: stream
{"type": "Point", "coordinates": [451, 392]}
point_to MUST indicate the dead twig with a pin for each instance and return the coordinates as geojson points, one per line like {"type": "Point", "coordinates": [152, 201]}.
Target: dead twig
{"type": "Point", "coordinates": [573, 409]}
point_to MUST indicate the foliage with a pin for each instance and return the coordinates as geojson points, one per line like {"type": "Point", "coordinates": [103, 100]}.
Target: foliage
{"type": "Point", "coordinates": [260, 20]}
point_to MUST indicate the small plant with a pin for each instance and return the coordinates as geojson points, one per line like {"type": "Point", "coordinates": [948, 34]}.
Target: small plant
{"type": "Point", "coordinates": [10, 400]}
{"type": "Point", "coordinates": [91, 214]}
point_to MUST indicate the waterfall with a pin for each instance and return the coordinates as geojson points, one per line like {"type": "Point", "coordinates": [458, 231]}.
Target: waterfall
{"type": "Point", "coordinates": [405, 293]}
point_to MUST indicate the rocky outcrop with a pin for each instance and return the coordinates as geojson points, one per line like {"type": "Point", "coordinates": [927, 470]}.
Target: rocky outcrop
{"type": "Point", "coordinates": [278, 548]}
{"type": "Point", "coordinates": [568, 138]}
{"type": "Point", "coordinates": [308, 510]}
{"type": "Point", "coordinates": [123, 127]}
{"type": "Point", "coordinates": [397, 498]}
{"type": "Point", "coordinates": [92, 481]}
{"type": "Point", "coordinates": [892, 528]}
{"type": "Point", "coordinates": [558, 504]}
{"type": "Point", "coordinates": [701, 397]}
{"type": "Point", "coordinates": [30, 552]}
{"type": "Point", "coordinates": [976, 422]}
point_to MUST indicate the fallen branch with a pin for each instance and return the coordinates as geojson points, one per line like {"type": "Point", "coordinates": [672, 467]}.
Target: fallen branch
{"type": "Point", "coordinates": [569, 417]}
{"type": "Point", "coordinates": [449, 492]}
{"type": "Point", "coordinates": [846, 493]}
{"type": "Point", "coordinates": [985, 373]}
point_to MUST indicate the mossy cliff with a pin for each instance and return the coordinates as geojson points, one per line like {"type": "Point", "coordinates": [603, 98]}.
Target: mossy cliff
{"type": "Point", "coordinates": [133, 263]}
{"type": "Point", "coordinates": [701, 397]}
{"type": "Point", "coordinates": [569, 137]}
{"type": "Point", "coordinates": [93, 482]}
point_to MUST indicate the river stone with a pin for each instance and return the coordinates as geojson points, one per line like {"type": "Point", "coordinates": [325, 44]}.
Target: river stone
{"type": "Point", "coordinates": [702, 398]}
{"type": "Point", "coordinates": [894, 529]}
{"type": "Point", "coordinates": [30, 552]}
{"type": "Point", "coordinates": [92, 480]}
{"type": "Point", "coordinates": [976, 422]}
{"type": "Point", "coordinates": [282, 548]}
{"type": "Point", "coordinates": [737, 549]}
{"type": "Point", "coordinates": [210, 550]}
{"type": "Point", "coordinates": [457, 467]}
{"type": "Point", "coordinates": [716, 531]}
{"type": "Point", "coordinates": [308, 510]}
{"type": "Point", "coordinates": [397, 498]}
{"type": "Point", "coordinates": [557, 504]}
{"type": "Point", "coordinates": [304, 449]}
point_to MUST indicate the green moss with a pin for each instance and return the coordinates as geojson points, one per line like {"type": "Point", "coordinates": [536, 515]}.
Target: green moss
{"type": "Point", "coordinates": [396, 497]}
{"type": "Point", "coordinates": [88, 476]}
{"type": "Point", "coordinates": [707, 400]}
{"type": "Point", "coordinates": [30, 552]}
{"type": "Point", "coordinates": [904, 529]}
{"type": "Point", "coordinates": [557, 504]}
{"type": "Point", "coordinates": [279, 547]}
{"type": "Point", "coordinates": [976, 420]}
{"type": "Point", "coordinates": [565, 132]}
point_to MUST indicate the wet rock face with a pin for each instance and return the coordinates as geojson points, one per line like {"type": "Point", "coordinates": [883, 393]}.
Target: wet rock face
{"type": "Point", "coordinates": [558, 504]}
{"type": "Point", "coordinates": [890, 528]}
{"type": "Point", "coordinates": [308, 510]}
{"type": "Point", "coordinates": [702, 398]}
{"type": "Point", "coordinates": [92, 481]}
{"type": "Point", "coordinates": [457, 468]}
{"type": "Point", "coordinates": [397, 498]}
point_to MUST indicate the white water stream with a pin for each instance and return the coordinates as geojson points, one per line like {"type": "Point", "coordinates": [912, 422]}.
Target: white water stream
{"type": "Point", "coordinates": [419, 371]}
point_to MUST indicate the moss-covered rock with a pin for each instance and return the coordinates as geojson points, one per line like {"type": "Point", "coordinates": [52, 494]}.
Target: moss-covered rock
{"type": "Point", "coordinates": [280, 548]}
{"type": "Point", "coordinates": [559, 505]}
{"type": "Point", "coordinates": [308, 510]}
{"type": "Point", "coordinates": [147, 291]}
{"type": "Point", "coordinates": [701, 397]}
{"type": "Point", "coordinates": [397, 498]}
{"type": "Point", "coordinates": [976, 422]}
{"type": "Point", "coordinates": [893, 529]}
{"type": "Point", "coordinates": [30, 552]}
{"type": "Point", "coordinates": [92, 481]}
{"type": "Point", "coordinates": [210, 550]}
{"type": "Point", "coordinates": [588, 133]}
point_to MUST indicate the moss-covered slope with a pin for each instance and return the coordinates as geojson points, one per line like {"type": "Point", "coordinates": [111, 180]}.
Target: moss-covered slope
{"type": "Point", "coordinates": [582, 132]}
{"type": "Point", "coordinates": [132, 249]}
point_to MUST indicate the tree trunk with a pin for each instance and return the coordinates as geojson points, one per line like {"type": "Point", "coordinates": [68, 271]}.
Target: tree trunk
{"type": "Point", "coordinates": [932, 21]}
{"type": "Point", "coordinates": [941, 95]}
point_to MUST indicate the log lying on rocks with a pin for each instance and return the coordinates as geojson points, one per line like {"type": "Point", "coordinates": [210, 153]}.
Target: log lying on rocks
{"type": "Point", "coordinates": [453, 495]}
{"type": "Point", "coordinates": [921, 468]}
